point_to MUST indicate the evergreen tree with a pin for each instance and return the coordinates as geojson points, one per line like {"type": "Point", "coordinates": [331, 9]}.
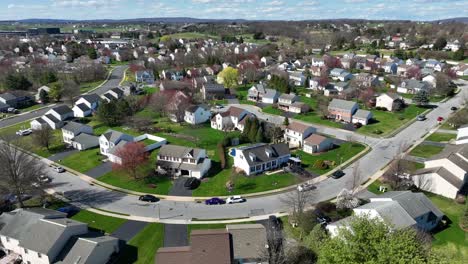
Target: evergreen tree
{"type": "Point", "coordinates": [286, 121]}
{"type": "Point", "coordinates": [56, 91]}
{"type": "Point", "coordinates": [253, 130]}
{"type": "Point", "coordinates": [92, 54]}
{"type": "Point", "coordinates": [247, 126]}
{"type": "Point", "coordinates": [44, 96]}
{"type": "Point", "coordinates": [17, 82]}
{"type": "Point", "coordinates": [421, 98]}
{"type": "Point", "coordinates": [259, 138]}
{"type": "Point", "coordinates": [459, 54]}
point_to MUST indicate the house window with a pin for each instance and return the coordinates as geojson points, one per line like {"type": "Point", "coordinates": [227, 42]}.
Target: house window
{"type": "Point", "coordinates": [8, 239]}
{"type": "Point", "coordinates": [25, 251]}
{"type": "Point", "coordinates": [39, 255]}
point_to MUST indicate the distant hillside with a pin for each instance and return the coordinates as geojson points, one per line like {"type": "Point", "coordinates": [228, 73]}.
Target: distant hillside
{"type": "Point", "coordinates": [455, 19]}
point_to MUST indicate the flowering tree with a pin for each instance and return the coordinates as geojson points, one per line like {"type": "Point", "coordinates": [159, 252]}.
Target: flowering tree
{"type": "Point", "coordinates": [414, 72]}
{"type": "Point", "coordinates": [133, 157]}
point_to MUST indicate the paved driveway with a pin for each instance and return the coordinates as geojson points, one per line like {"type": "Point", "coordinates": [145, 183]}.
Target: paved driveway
{"type": "Point", "coordinates": [129, 229]}
{"type": "Point", "coordinates": [100, 170]}
{"type": "Point", "coordinates": [178, 188]}
{"type": "Point", "coordinates": [175, 235]}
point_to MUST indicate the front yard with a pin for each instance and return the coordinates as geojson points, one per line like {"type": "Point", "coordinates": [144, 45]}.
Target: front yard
{"type": "Point", "coordinates": [387, 122]}
{"type": "Point", "coordinates": [335, 156]}
{"type": "Point", "coordinates": [83, 161]}
{"type": "Point", "coordinates": [149, 184]}
{"type": "Point", "coordinates": [441, 137]}
{"type": "Point", "coordinates": [426, 151]}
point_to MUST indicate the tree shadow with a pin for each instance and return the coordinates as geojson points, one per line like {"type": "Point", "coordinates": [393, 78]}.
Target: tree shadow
{"type": "Point", "coordinates": [93, 198]}
{"type": "Point", "coordinates": [127, 254]}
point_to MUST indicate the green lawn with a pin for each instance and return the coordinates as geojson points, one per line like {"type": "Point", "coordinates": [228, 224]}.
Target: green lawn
{"type": "Point", "coordinates": [426, 151]}
{"type": "Point", "coordinates": [31, 108]}
{"type": "Point", "coordinates": [85, 87]}
{"type": "Point", "coordinates": [452, 239]}
{"type": "Point", "coordinates": [441, 137]}
{"type": "Point", "coordinates": [192, 35]}
{"type": "Point", "coordinates": [340, 154]}
{"type": "Point", "coordinates": [387, 122]}
{"type": "Point", "coordinates": [105, 223]}
{"type": "Point", "coordinates": [374, 187]}
{"type": "Point", "coordinates": [142, 248]}
{"type": "Point", "coordinates": [56, 145]}
{"type": "Point", "coordinates": [272, 110]}
{"type": "Point", "coordinates": [83, 161]}
{"type": "Point", "coordinates": [312, 117]}
{"type": "Point", "coordinates": [155, 185]}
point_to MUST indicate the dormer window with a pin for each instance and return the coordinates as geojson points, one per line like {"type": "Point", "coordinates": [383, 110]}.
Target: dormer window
{"type": "Point", "coordinates": [252, 157]}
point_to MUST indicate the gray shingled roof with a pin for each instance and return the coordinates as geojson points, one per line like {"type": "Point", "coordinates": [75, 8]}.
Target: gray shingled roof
{"type": "Point", "coordinates": [79, 249]}
{"type": "Point", "coordinates": [112, 135]}
{"type": "Point", "coordinates": [44, 234]}
{"type": "Point", "coordinates": [74, 127]}
{"type": "Point", "coordinates": [363, 114]}
{"type": "Point", "coordinates": [62, 109]}
{"type": "Point", "coordinates": [259, 152]}
{"type": "Point", "coordinates": [83, 107]}
{"type": "Point", "coordinates": [248, 240]}
{"type": "Point", "coordinates": [92, 98]}
{"type": "Point", "coordinates": [342, 104]}
{"type": "Point", "coordinates": [415, 204]}
{"type": "Point", "coordinates": [178, 151]}
{"type": "Point", "coordinates": [7, 96]}
{"type": "Point", "coordinates": [392, 212]}
{"type": "Point", "coordinates": [86, 139]}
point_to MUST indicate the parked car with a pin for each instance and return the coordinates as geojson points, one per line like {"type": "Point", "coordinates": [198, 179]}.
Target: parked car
{"type": "Point", "coordinates": [12, 110]}
{"type": "Point", "coordinates": [440, 119]}
{"type": "Point", "coordinates": [69, 210]}
{"type": "Point", "coordinates": [44, 179]}
{"type": "Point", "coordinates": [453, 108]}
{"type": "Point", "coordinates": [235, 199]}
{"type": "Point", "coordinates": [192, 183]}
{"type": "Point", "coordinates": [218, 106]}
{"type": "Point", "coordinates": [24, 132]}
{"type": "Point", "coordinates": [57, 168]}
{"type": "Point", "coordinates": [321, 218]}
{"type": "Point", "coordinates": [148, 198]}
{"type": "Point", "coordinates": [306, 187]}
{"type": "Point", "coordinates": [274, 223]}
{"type": "Point", "coordinates": [337, 174]}
{"type": "Point", "coordinates": [214, 200]}
{"type": "Point", "coordinates": [421, 118]}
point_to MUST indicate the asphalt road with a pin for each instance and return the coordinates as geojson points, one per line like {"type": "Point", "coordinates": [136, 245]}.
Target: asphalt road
{"type": "Point", "coordinates": [383, 150]}
{"type": "Point", "coordinates": [114, 80]}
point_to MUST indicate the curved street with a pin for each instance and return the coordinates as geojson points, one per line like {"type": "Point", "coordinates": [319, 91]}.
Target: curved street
{"type": "Point", "coordinates": [175, 210]}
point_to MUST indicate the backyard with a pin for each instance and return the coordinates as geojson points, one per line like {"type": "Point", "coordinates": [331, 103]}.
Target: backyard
{"type": "Point", "coordinates": [104, 223]}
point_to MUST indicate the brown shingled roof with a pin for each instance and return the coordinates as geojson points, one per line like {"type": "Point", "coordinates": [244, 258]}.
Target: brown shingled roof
{"type": "Point", "coordinates": [298, 127]}
{"type": "Point", "coordinates": [315, 139]}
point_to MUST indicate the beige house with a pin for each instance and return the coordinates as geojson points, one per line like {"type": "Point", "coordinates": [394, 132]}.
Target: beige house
{"type": "Point", "coordinates": [295, 133]}
{"type": "Point", "coordinates": [387, 101]}
{"type": "Point", "coordinates": [316, 143]}
{"type": "Point", "coordinates": [446, 174]}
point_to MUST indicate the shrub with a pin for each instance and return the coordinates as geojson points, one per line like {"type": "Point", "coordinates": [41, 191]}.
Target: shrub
{"type": "Point", "coordinates": [320, 164]}
{"type": "Point", "coordinates": [222, 155]}
{"type": "Point", "coordinates": [377, 131]}
{"type": "Point", "coordinates": [326, 207]}
{"type": "Point", "coordinates": [464, 219]}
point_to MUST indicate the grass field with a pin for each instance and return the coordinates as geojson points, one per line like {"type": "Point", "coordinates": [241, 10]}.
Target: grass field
{"type": "Point", "coordinates": [83, 161]}
{"type": "Point", "coordinates": [107, 224]}
{"type": "Point", "coordinates": [142, 248]}
{"type": "Point", "coordinates": [341, 154]}
{"type": "Point", "coordinates": [452, 239]}
{"type": "Point", "coordinates": [86, 87]}
{"type": "Point", "coordinates": [441, 137]}
{"type": "Point", "coordinates": [426, 151]}
{"type": "Point", "coordinates": [387, 122]}
{"type": "Point", "coordinates": [272, 110]}
{"type": "Point", "coordinates": [192, 35]}
{"type": "Point", "coordinates": [155, 185]}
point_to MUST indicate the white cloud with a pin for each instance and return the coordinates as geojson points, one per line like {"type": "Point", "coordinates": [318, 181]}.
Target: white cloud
{"type": "Point", "coordinates": [83, 3]}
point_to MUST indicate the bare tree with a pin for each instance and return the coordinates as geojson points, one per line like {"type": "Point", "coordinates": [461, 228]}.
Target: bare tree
{"type": "Point", "coordinates": [356, 178]}
{"type": "Point", "coordinates": [70, 90]}
{"type": "Point", "coordinates": [43, 137]}
{"type": "Point", "coordinates": [274, 253]}
{"type": "Point", "coordinates": [18, 170]}
{"type": "Point", "coordinates": [298, 202]}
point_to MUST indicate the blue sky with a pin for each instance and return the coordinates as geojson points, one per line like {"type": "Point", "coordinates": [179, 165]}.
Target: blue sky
{"type": "Point", "coordinates": [247, 9]}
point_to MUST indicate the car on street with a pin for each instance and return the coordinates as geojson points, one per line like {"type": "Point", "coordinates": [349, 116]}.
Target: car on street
{"type": "Point", "coordinates": [148, 198]}
{"type": "Point", "coordinates": [44, 179]}
{"type": "Point", "coordinates": [13, 110]}
{"type": "Point", "coordinates": [24, 132]}
{"type": "Point", "coordinates": [440, 119]}
{"type": "Point", "coordinates": [57, 168]}
{"type": "Point", "coordinates": [192, 183]}
{"type": "Point", "coordinates": [69, 210]}
{"type": "Point", "coordinates": [337, 174]}
{"type": "Point", "coordinates": [421, 118]}
{"type": "Point", "coordinates": [214, 201]}
{"type": "Point", "coordinates": [306, 187]}
{"type": "Point", "coordinates": [453, 108]}
{"type": "Point", "coordinates": [218, 106]}
{"type": "Point", "coordinates": [235, 199]}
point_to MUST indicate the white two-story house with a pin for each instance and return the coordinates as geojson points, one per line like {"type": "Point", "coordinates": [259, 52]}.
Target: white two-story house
{"type": "Point", "coordinates": [296, 133]}
{"type": "Point", "coordinates": [258, 158]}
{"type": "Point", "coordinates": [197, 114]}
{"type": "Point", "coordinates": [54, 118]}
{"type": "Point", "coordinates": [86, 105]}
{"type": "Point", "coordinates": [112, 139]}
{"type": "Point", "coordinates": [231, 119]}
{"type": "Point", "coordinates": [73, 129]}
{"type": "Point", "coordinates": [183, 161]}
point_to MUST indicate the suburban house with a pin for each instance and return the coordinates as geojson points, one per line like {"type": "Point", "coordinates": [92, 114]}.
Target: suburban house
{"type": "Point", "coordinates": [390, 67]}
{"type": "Point", "coordinates": [316, 143]}
{"type": "Point", "coordinates": [336, 72]}
{"type": "Point", "coordinates": [412, 86]}
{"type": "Point", "coordinates": [286, 101]}
{"type": "Point", "coordinates": [258, 158]}
{"type": "Point", "coordinates": [86, 105]}
{"type": "Point", "coordinates": [367, 79]}
{"type": "Point", "coordinates": [183, 161]}
{"type": "Point", "coordinates": [248, 242]}
{"type": "Point", "coordinates": [112, 94]}
{"type": "Point", "coordinates": [295, 134]}
{"type": "Point", "coordinates": [260, 93]}
{"type": "Point", "coordinates": [462, 70]}
{"type": "Point", "coordinates": [342, 110]}
{"type": "Point", "coordinates": [462, 135]}
{"type": "Point", "coordinates": [266, 60]}
{"type": "Point", "coordinates": [43, 236]}
{"type": "Point", "coordinates": [297, 78]}
{"type": "Point", "coordinates": [15, 101]}
{"type": "Point", "coordinates": [362, 117]}
{"type": "Point", "coordinates": [318, 62]}
{"type": "Point", "coordinates": [73, 129]}
{"type": "Point", "coordinates": [403, 69]}
{"type": "Point", "coordinates": [213, 91]}
{"type": "Point", "coordinates": [211, 246]}
{"type": "Point", "coordinates": [112, 141]}
{"type": "Point", "coordinates": [400, 209]}
{"type": "Point", "coordinates": [44, 88]}
{"type": "Point", "coordinates": [197, 114]}
{"type": "Point", "coordinates": [54, 118]}
{"type": "Point", "coordinates": [388, 101]}
{"type": "Point", "coordinates": [430, 79]}
{"type": "Point", "coordinates": [446, 173]}
{"type": "Point", "coordinates": [230, 119]}
{"type": "Point", "coordinates": [144, 77]}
